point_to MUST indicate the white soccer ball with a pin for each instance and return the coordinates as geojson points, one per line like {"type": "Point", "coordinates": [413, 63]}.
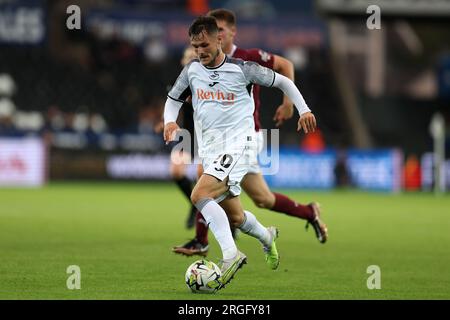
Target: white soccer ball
{"type": "Point", "coordinates": [203, 277]}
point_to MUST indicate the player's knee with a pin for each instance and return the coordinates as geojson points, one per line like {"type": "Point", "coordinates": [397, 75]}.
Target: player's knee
{"type": "Point", "coordinates": [177, 171]}
{"type": "Point", "coordinates": [177, 174]}
{"type": "Point", "coordinates": [261, 201]}
{"type": "Point", "coordinates": [236, 220]}
{"type": "Point", "coordinates": [198, 195]}
{"type": "Point", "coordinates": [195, 197]}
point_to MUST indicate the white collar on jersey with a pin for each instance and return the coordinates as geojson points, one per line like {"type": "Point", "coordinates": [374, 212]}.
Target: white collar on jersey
{"type": "Point", "coordinates": [233, 50]}
{"type": "Point", "coordinates": [219, 65]}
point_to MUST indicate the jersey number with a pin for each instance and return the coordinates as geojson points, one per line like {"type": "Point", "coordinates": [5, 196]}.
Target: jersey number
{"type": "Point", "coordinates": [222, 162]}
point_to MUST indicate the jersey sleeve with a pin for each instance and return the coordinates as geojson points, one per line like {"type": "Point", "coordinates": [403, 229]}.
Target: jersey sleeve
{"type": "Point", "coordinates": [262, 57]}
{"type": "Point", "coordinates": [257, 74]}
{"type": "Point", "coordinates": [181, 89]}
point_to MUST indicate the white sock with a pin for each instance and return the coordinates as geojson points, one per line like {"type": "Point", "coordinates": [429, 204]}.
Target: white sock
{"type": "Point", "coordinates": [252, 227]}
{"type": "Point", "coordinates": [217, 219]}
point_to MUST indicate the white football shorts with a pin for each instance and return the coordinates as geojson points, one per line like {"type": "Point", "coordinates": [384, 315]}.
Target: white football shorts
{"type": "Point", "coordinates": [232, 165]}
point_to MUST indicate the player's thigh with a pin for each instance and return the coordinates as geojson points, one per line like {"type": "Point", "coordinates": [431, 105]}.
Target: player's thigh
{"type": "Point", "coordinates": [258, 190]}
{"type": "Point", "coordinates": [208, 187]}
{"type": "Point", "coordinates": [234, 210]}
{"type": "Point", "coordinates": [229, 167]}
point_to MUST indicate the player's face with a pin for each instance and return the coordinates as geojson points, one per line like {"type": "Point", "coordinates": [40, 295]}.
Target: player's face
{"type": "Point", "coordinates": [207, 48]}
{"type": "Point", "coordinates": [226, 33]}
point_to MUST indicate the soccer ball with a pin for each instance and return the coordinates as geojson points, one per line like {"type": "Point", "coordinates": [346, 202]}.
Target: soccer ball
{"type": "Point", "coordinates": [203, 277]}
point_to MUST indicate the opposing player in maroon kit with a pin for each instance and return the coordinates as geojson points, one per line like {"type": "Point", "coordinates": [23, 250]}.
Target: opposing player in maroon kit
{"type": "Point", "coordinates": [253, 183]}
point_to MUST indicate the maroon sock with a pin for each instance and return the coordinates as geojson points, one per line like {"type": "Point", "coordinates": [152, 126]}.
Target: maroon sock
{"type": "Point", "coordinates": [292, 208]}
{"type": "Point", "coordinates": [201, 229]}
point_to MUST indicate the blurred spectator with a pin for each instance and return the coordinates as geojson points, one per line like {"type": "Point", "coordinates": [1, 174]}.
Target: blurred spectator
{"type": "Point", "coordinates": [80, 122]}
{"type": "Point", "coordinates": [150, 116]}
{"type": "Point", "coordinates": [28, 121]}
{"type": "Point", "coordinates": [155, 51]}
{"type": "Point", "coordinates": [7, 107]}
{"type": "Point", "coordinates": [7, 85]}
{"type": "Point", "coordinates": [197, 7]}
{"type": "Point", "coordinates": [412, 179]}
{"type": "Point", "coordinates": [313, 142]}
{"type": "Point", "coordinates": [97, 123]}
{"type": "Point", "coordinates": [54, 119]}
{"type": "Point", "coordinates": [108, 51]}
{"type": "Point", "coordinates": [340, 170]}
{"type": "Point", "coordinates": [69, 118]}
{"type": "Point", "coordinates": [6, 112]}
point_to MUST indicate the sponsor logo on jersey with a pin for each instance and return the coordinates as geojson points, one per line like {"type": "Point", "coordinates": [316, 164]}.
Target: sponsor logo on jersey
{"type": "Point", "coordinates": [222, 96]}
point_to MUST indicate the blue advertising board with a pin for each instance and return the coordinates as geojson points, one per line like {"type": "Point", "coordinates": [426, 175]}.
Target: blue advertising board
{"type": "Point", "coordinates": [303, 170]}
{"type": "Point", "coordinates": [372, 170]}
{"type": "Point", "coordinates": [379, 170]}
{"type": "Point", "coordinates": [22, 22]}
{"type": "Point", "coordinates": [376, 170]}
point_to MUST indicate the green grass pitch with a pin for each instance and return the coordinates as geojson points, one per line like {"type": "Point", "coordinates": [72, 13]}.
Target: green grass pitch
{"type": "Point", "coordinates": [121, 234]}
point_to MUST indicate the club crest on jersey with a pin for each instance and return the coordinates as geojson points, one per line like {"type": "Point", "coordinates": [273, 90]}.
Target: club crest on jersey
{"type": "Point", "coordinates": [221, 96]}
{"type": "Point", "coordinates": [214, 75]}
{"type": "Point", "coordinates": [264, 55]}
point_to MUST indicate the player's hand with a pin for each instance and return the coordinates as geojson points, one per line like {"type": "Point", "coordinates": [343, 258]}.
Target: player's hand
{"type": "Point", "coordinates": [284, 112]}
{"type": "Point", "coordinates": [307, 122]}
{"type": "Point", "coordinates": [170, 131]}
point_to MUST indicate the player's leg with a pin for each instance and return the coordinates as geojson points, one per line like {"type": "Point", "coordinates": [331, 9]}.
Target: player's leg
{"type": "Point", "coordinates": [178, 163]}
{"type": "Point", "coordinates": [199, 244]}
{"type": "Point", "coordinates": [245, 220]}
{"type": "Point", "coordinates": [258, 190]}
{"type": "Point", "coordinates": [247, 223]}
{"type": "Point", "coordinates": [228, 168]}
{"type": "Point", "coordinates": [201, 228]}
{"type": "Point", "coordinates": [205, 191]}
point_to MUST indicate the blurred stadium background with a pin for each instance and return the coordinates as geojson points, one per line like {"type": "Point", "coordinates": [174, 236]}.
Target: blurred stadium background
{"type": "Point", "coordinates": [93, 95]}
{"type": "Point", "coordinates": [80, 105]}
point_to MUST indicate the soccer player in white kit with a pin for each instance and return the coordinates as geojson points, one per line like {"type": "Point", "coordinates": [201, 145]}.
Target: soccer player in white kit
{"type": "Point", "coordinates": [223, 117]}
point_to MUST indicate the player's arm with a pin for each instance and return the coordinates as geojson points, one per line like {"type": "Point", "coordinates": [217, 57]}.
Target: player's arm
{"type": "Point", "coordinates": [263, 76]}
{"type": "Point", "coordinates": [171, 110]}
{"type": "Point", "coordinates": [307, 121]}
{"type": "Point", "coordinates": [175, 98]}
{"type": "Point", "coordinates": [286, 110]}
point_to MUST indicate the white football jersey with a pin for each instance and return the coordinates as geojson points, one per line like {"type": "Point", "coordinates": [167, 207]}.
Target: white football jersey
{"type": "Point", "coordinates": [222, 101]}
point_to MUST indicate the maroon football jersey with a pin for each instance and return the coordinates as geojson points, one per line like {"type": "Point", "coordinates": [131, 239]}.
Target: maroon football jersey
{"type": "Point", "coordinates": [263, 58]}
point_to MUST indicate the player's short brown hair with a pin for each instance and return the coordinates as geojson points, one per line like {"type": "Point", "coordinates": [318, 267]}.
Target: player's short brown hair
{"type": "Point", "coordinates": [206, 23]}
{"type": "Point", "coordinates": [223, 14]}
